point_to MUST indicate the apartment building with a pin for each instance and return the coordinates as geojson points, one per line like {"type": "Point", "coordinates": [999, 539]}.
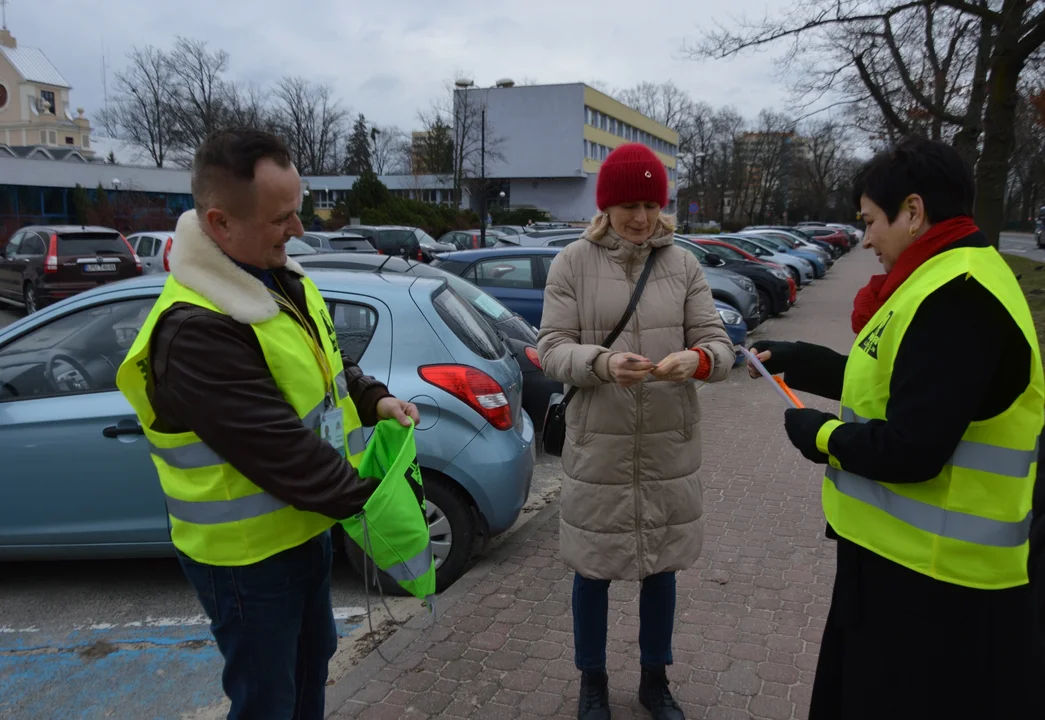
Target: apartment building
{"type": "Point", "coordinates": [546, 143]}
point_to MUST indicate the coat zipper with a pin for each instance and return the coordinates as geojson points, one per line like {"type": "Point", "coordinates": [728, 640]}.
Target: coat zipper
{"type": "Point", "coordinates": [638, 430]}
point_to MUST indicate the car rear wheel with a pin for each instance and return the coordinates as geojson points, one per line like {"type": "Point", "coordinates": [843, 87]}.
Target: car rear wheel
{"type": "Point", "coordinates": [796, 276]}
{"type": "Point", "coordinates": [765, 305]}
{"type": "Point", "coordinates": [452, 527]}
{"type": "Point", "coordinates": [29, 298]}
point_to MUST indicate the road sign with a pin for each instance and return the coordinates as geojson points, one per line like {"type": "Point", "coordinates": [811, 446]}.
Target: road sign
{"type": "Point", "coordinates": [694, 208]}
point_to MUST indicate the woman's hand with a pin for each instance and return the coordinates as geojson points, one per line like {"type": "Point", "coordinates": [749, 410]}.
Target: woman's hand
{"type": "Point", "coordinates": [777, 357]}
{"type": "Point", "coordinates": [678, 366]}
{"type": "Point", "coordinates": [626, 368]}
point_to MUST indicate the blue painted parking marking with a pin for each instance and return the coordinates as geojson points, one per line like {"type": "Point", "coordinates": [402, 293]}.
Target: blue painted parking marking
{"type": "Point", "coordinates": [152, 669]}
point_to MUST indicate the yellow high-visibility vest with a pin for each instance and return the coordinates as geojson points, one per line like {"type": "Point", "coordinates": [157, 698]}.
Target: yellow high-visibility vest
{"type": "Point", "coordinates": [969, 524]}
{"type": "Point", "coordinates": [217, 515]}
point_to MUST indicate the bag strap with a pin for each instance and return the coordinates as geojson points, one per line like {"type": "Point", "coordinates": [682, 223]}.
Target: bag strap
{"type": "Point", "coordinates": [632, 304]}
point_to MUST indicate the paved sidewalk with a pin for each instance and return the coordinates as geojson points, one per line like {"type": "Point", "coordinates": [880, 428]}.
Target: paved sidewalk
{"type": "Point", "coordinates": [750, 612]}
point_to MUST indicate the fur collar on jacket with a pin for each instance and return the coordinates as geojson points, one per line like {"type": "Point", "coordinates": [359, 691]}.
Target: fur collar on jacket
{"type": "Point", "coordinates": [199, 264]}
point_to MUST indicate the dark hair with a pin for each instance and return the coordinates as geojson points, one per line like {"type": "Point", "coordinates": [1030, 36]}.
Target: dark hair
{"type": "Point", "coordinates": [226, 159]}
{"type": "Point", "coordinates": [918, 166]}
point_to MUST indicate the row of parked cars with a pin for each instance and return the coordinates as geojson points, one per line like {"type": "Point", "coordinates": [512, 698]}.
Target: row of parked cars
{"type": "Point", "coordinates": [456, 335]}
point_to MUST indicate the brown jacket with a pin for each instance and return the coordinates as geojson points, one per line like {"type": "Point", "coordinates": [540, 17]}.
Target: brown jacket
{"type": "Point", "coordinates": [631, 495]}
{"type": "Point", "coordinates": [210, 377]}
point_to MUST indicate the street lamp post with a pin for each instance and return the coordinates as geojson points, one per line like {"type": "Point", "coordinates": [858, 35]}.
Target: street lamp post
{"type": "Point", "coordinates": [482, 179]}
{"type": "Point", "coordinates": [116, 202]}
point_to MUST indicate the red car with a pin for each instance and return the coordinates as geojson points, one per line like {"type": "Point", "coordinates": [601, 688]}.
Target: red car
{"type": "Point", "coordinates": [837, 238]}
{"type": "Point", "coordinates": [735, 253]}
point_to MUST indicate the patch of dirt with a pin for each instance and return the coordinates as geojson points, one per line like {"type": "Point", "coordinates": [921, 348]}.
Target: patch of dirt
{"type": "Point", "coordinates": [97, 651]}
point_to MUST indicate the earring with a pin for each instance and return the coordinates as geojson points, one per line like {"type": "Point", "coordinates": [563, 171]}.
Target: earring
{"type": "Point", "coordinates": [914, 231]}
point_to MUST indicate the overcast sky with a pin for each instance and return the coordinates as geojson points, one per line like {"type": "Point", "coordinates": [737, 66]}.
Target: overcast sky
{"type": "Point", "coordinates": [389, 58]}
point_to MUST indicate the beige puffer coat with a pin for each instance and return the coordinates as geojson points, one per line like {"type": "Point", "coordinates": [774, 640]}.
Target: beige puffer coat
{"type": "Point", "coordinates": [631, 498]}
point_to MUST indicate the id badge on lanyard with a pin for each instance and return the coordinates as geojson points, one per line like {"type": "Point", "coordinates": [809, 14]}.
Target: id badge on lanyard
{"type": "Point", "coordinates": [332, 428]}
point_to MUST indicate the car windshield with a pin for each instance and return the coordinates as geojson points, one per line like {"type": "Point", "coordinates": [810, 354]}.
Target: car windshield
{"type": "Point", "coordinates": [726, 252]}
{"type": "Point", "coordinates": [89, 243]}
{"type": "Point", "coordinates": [397, 237]}
{"type": "Point", "coordinates": [295, 246]}
{"type": "Point", "coordinates": [467, 324]}
{"type": "Point", "coordinates": [484, 303]}
{"type": "Point", "coordinates": [772, 241]}
{"type": "Point", "coordinates": [349, 243]}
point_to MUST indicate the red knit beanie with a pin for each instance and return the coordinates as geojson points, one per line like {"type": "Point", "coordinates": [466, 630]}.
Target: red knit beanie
{"type": "Point", "coordinates": [632, 173]}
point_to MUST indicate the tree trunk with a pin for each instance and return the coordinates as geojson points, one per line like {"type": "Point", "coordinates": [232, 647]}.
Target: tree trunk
{"type": "Point", "coordinates": [998, 141]}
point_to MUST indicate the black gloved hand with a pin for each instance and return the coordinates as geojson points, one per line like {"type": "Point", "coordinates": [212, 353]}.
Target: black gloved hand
{"type": "Point", "coordinates": [784, 355]}
{"type": "Point", "coordinates": [802, 425]}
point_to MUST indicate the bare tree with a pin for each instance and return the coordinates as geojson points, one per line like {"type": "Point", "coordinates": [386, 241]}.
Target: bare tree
{"type": "Point", "coordinates": [144, 104]}
{"type": "Point", "coordinates": [390, 152]}
{"type": "Point", "coordinates": [312, 123]}
{"type": "Point", "coordinates": [201, 94]}
{"type": "Point", "coordinates": [996, 38]}
{"type": "Point", "coordinates": [248, 107]}
{"type": "Point", "coordinates": [821, 164]}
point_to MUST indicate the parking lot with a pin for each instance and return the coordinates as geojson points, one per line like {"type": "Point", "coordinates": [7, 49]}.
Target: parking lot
{"type": "Point", "coordinates": [103, 639]}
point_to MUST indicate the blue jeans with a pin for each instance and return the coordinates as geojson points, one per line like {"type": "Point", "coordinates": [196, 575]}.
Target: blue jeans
{"type": "Point", "coordinates": [274, 625]}
{"type": "Point", "coordinates": [591, 615]}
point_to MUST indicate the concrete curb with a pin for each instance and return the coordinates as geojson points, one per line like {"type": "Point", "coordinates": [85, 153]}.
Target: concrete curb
{"type": "Point", "coordinates": [341, 692]}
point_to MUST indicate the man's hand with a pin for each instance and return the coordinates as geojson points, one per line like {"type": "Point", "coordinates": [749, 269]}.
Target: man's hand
{"type": "Point", "coordinates": [626, 368]}
{"type": "Point", "coordinates": [678, 366]}
{"type": "Point", "coordinates": [404, 412]}
{"type": "Point", "coordinates": [802, 425]}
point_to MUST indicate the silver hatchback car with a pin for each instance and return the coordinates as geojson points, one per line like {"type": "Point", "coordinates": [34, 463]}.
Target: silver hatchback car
{"type": "Point", "coordinates": [78, 479]}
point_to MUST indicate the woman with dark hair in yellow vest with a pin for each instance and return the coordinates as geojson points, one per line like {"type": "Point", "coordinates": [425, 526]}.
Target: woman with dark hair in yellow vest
{"type": "Point", "coordinates": [930, 462]}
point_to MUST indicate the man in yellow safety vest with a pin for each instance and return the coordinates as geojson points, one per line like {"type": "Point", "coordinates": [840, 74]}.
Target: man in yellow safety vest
{"type": "Point", "coordinates": [254, 420]}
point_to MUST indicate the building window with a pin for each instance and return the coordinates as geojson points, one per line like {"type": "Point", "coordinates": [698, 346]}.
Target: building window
{"type": "Point", "coordinates": [69, 140]}
{"type": "Point", "coordinates": [588, 115]}
{"type": "Point", "coordinates": [48, 97]}
{"type": "Point", "coordinates": [4, 97]}
{"type": "Point", "coordinates": [613, 126]}
{"type": "Point", "coordinates": [604, 121]}
{"type": "Point", "coordinates": [86, 141]}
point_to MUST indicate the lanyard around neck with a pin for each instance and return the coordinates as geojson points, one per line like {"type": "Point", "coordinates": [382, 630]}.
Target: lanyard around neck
{"type": "Point", "coordinates": [314, 342]}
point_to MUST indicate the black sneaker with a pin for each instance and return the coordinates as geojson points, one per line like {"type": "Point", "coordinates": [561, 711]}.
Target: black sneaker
{"type": "Point", "coordinates": [594, 702]}
{"type": "Point", "coordinates": [655, 696]}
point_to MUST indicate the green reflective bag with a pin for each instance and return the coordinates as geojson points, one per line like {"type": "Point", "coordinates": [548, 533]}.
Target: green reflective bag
{"type": "Point", "coordinates": [392, 528]}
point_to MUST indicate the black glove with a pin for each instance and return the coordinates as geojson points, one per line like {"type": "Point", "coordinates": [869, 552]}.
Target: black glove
{"type": "Point", "coordinates": [802, 425]}
{"type": "Point", "coordinates": [785, 355]}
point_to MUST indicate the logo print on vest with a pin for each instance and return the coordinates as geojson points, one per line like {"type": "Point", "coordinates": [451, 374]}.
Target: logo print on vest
{"type": "Point", "coordinates": [331, 334]}
{"type": "Point", "coordinates": [870, 343]}
{"type": "Point", "coordinates": [413, 476]}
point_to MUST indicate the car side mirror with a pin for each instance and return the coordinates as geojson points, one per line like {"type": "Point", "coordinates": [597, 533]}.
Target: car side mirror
{"type": "Point", "coordinates": [715, 261]}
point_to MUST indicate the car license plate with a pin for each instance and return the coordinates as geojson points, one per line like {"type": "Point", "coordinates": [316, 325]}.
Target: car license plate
{"type": "Point", "coordinates": [100, 267]}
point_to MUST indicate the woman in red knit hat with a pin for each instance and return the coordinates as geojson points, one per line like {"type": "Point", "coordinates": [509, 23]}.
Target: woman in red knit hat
{"type": "Point", "coordinates": [631, 495]}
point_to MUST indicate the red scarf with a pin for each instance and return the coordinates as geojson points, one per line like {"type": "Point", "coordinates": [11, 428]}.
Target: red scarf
{"type": "Point", "coordinates": [873, 295]}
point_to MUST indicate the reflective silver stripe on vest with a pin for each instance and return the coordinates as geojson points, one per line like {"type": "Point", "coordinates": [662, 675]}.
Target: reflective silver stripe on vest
{"type": "Point", "coordinates": [356, 441]}
{"type": "Point", "coordinates": [216, 512]}
{"type": "Point", "coordinates": [414, 568]}
{"type": "Point", "coordinates": [341, 384]}
{"type": "Point", "coordinates": [929, 518]}
{"type": "Point", "coordinates": [971, 455]}
{"type": "Point", "coordinates": [198, 455]}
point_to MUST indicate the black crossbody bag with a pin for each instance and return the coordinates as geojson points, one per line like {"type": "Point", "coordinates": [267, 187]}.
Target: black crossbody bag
{"type": "Point", "coordinates": [554, 435]}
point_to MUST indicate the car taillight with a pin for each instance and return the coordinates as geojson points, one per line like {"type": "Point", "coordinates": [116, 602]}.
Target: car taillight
{"type": "Point", "coordinates": [531, 355]}
{"type": "Point", "coordinates": [420, 256]}
{"type": "Point", "coordinates": [51, 261]}
{"type": "Point", "coordinates": [167, 254]}
{"type": "Point", "coordinates": [137, 260]}
{"type": "Point", "coordinates": [474, 388]}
